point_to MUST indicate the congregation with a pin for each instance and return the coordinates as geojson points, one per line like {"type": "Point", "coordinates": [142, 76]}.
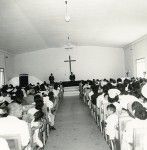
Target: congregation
{"type": "Point", "coordinates": [73, 75]}
{"type": "Point", "coordinates": [119, 109]}
{"type": "Point", "coordinates": [27, 115]}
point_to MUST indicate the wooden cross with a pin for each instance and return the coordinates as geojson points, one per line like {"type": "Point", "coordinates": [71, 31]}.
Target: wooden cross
{"type": "Point", "coordinates": [69, 60]}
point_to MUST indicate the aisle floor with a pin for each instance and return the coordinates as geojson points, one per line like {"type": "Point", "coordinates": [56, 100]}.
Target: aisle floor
{"type": "Point", "coordinates": [75, 128]}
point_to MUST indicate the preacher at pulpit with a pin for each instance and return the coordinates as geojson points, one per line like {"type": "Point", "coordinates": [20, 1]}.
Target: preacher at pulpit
{"type": "Point", "coordinates": [72, 77]}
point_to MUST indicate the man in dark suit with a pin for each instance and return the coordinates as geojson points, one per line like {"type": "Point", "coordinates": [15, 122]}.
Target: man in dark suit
{"type": "Point", "coordinates": [72, 77]}
{"type": "Point", "coordinates": [51, 79]}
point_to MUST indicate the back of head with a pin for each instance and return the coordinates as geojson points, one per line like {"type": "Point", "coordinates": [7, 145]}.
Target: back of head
{"type": "Point", "coordinates": [119, 80]}
{"type": "Point", "coordinates": [136, 106]}
{"type": "Point", "coordinates": [56, 86]}
{"type": "Point", "coordinates": [111, 107]}
{"type": "Point", "coordinates": [51, 94]}
{"type": "Point", "coordinates": [112, 100]}
{"type": "Point", "coordinates": [42, 87]}
{"type": "Point", "coordinates": [37, 98]}
{"type": "Point", "coordinates": [38, 115]}
{"type": "Point", "coordinates": [39, 105]}
{"type": "Point", "coordinates": [38, 102]}
{"type": "Point", "coordinates": [15, 110]}
{"type": "Point", "coordinates": [141, 114]}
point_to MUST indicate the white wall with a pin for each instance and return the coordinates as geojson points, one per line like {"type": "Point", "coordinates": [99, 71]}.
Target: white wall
{"type": "Point", "coordinates": [7, 62]}
{"type": "Point", "coordinates": [135, 51]}
{"type": "Point", "coordinates": [91, 62]}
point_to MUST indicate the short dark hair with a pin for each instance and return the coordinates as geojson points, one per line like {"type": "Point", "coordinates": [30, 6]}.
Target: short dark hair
{"type": "Point", "coordinates": [111, 107]}
{"type": "Point", "coordinates": [119, 80]}
{"type": "Point", "coordinates": [39, 105]}
{"type": "Point", "coordinates": [37, 98]}
{"type": "Point", "coordinates": [136, 106]}
{"type": "Point", "coordinates": [38, 115]}
{"type": "Point", "coordinates": [141, 114]}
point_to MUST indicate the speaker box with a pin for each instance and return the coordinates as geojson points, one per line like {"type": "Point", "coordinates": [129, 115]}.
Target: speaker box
{"type": "Point", "coordinates": [23, 80]}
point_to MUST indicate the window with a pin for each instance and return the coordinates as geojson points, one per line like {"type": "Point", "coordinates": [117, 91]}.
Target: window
{"type": "Point", "coordinates": [141, 72]}
{"type": "Point", "coordinates": [1, 77]}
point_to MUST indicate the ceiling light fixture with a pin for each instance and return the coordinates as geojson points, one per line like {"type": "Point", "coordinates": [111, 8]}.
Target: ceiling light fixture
{"type": "Point", "coordinates": [67, 17]}
{"type": "Point", "coordinates": [68, 46]}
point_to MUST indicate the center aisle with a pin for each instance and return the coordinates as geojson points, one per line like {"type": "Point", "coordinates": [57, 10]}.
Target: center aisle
{"type": "Point", "coordinates": [75, 128]}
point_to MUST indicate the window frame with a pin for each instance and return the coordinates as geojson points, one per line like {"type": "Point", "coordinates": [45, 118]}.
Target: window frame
{"type": "Point", "coordinates": [144, 60]}
{"type": "Point", "coordinates": [1, 68]}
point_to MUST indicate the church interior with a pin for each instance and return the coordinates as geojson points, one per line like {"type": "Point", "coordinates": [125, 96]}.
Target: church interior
{"type": "Point", "coordinates": [73, 74]}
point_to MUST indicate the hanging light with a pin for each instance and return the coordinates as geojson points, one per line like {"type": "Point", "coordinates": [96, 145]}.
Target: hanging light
{"type": "Point", "coordinates": [68, 46]}
{"type": "Point", "coordinates": [67, 17]}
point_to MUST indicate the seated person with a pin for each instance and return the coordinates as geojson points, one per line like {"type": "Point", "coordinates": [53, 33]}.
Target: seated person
{"type": "Point", "coordinates": [140, 121]}
{"type": "Point", "coordinates": [86, 85]}
{"type": "Point", "coordinates": [94, 98]}
{"type": "Point", "coordinates": [10, 88]}
{"type": "Point", "coordinates": [112, 122]}
{"type": "Point", "coordinates": [2, 99]}
{"type": "Point", "coordinates": [55, 90]}
{"type": "Point", "coordinates": [42, 87]}
{"type": "Point", "coordinates": [12, 125]}
{"type": "Point", "coordinates": [132, 107]}
{"type": "Point", "coordinates": [7, 98]}
{"type": "Point", "coordinates": [35, 126]}
{"type": "Point", "coordinates": [50, 106]}
{"type": "Point", "coordinates": [38, 106]}
{"type": "Point", "coordinates": [16, 109]}
{"type": "Point", "coordinates": [37, 87]}
{"type": "Point", "coordinates": [113, 97]}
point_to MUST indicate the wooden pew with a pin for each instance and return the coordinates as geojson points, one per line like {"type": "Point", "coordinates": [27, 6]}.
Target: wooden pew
{"type": "Point", "coordinates": [123, 120]}
{"type": "Point", "coordinates": [14, 141]}
{"type": "Point", "coordinates": [139, 139]}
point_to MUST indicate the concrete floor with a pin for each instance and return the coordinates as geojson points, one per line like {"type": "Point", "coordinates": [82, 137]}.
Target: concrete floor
{"type": "Point", "coordinates": [75, 128]}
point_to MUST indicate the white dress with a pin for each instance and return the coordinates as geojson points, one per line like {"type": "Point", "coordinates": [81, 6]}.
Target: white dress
{"type": "Point", "coordinates": [36, 139]}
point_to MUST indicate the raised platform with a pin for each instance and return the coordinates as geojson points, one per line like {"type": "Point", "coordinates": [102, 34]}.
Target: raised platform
{"type": "Point", "coordinates": [71, 91]}
{"type": "Point", "coordinates": [70, 83]}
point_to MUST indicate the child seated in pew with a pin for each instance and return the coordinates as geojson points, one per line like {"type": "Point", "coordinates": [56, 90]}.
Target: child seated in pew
{"type": "Point", "coordinates": [113, 97]}
{"type": "Point", "coordinates": [111, 123]}
{"type": "Point", "coordinates": [36, 124]}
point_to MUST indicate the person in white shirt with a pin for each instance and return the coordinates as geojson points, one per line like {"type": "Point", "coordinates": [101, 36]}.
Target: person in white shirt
{"type": "Point", "coordinates": [38, 106]}
{"type": "Point", "coordinates": [112, 122]}
{"type": "Point", "coordinates": [140, 121]}
{"type": "Point", "coordinates": [49, 105]}
{"type": "Point", "coordinates": [124, 100]}
{"type": "Point", "coordinates": [35, 126]}
{"type": "Point", "coordinates": [11, 125]}
{"type": "Point", "coordinates": [113, 97]}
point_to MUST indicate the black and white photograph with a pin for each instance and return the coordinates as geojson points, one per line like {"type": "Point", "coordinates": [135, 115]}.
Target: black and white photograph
{"type": "Point", "coordinates": [73, 74]}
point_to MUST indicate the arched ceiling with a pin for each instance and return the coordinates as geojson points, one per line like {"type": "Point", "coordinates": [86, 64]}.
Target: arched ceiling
{"type": "Point", "coordinates": [28, 25]}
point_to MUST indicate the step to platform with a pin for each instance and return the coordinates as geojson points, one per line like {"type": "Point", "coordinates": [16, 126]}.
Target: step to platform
{"type": "Point", "coordinates": [71, 91]}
